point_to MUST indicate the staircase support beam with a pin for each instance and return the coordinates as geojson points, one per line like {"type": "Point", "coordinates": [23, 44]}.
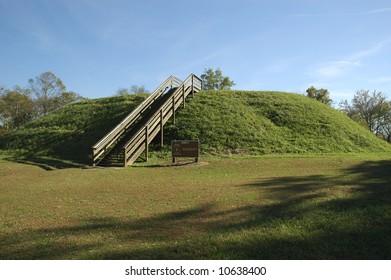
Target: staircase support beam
{"type": "Point", "coordinates": [146, 143]}
{"type": "Point", "coordinates": [173, 110]}
{"type": "Point", "coordinates": [155, 120]}
{"type": "Point", "coordinates": [192, 86]}
{"type": "Point", "coordinates": [161, 129]}
{"type": "Point", "coordinates": [183, 96]}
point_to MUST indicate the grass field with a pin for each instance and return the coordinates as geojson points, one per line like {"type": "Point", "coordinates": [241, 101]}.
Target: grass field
{"type": "Point", "coordinates": [266, 207]}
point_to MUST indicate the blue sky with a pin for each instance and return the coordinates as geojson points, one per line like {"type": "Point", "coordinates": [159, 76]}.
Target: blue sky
{"type": "Point", "coordinates": [95, 47]}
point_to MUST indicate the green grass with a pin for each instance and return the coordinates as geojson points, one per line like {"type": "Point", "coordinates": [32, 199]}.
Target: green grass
{"type": "Point", "coordinates": [294, 179]}
{"type": "Point", "coordinates": [264, 207]}
{"type": "Point", "coordinates": [271, 122]}
{"type": "Point", "coordinates": [226, 122]}
{"type": "Point", "coordinates": [70, 132]}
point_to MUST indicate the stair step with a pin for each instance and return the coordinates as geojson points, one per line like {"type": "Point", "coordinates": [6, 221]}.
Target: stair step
{"type": "Point", "coordinates": [115, 156]}
{"type": "Point", "coordinates": [143, 120]}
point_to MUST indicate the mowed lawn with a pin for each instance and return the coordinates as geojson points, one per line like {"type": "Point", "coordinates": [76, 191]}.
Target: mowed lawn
{"type": "Point", "coordinates": [316, 207]}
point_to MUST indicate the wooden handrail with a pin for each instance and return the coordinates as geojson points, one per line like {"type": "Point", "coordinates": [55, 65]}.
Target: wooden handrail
{"type": "Point", "coordinates": [103, 144]}
{"type": "Point", "coordinates": [140, 140]}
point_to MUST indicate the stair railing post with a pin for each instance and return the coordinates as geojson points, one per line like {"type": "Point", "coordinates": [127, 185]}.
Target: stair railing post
{"type": "Point", "coordinates": [192, 85]}
{"type": "Point", "coordinates": [125, 161]}
{"type": "Point", "coordinates": [173, 109]}
{"type": "Point", "coordinates": [146, 143]}
{"type": "Point", "coordinates": [161, 129]}
{"type": "Point", "coordinates": [183, 95]}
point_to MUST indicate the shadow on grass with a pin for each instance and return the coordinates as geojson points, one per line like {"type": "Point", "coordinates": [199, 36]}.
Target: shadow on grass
{"type": "Point", "coordinates": [170, 165]}
{"type": "Point", "coordinates": [47, 164]}
{"type": "Point", "coordinates": [315, 217]}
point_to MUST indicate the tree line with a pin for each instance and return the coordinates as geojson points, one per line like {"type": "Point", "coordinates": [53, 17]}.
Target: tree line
{"type": "Point", "coordinates": [44, 94]}
{"type": "Point", "coordinates": [372, 110]}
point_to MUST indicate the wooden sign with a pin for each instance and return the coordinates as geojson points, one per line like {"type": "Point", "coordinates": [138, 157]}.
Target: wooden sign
{"type": "Point", "coordinates": [185, 148]}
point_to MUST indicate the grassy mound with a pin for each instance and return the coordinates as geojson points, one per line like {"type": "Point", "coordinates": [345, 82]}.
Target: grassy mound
{"type": "Point", "coordinates": [271, 122]}
{"type": "Point", "coordinates": [224, 121]}
{"type": "Point", "coordinates": [70, 132]}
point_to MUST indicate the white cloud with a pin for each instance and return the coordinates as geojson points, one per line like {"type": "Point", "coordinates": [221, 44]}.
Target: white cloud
{"type": "Point", "coordinates": [336, 68]}
{"type": "Point", "coordinates": [377, 11]}
{"type": "Point", "coordinates": [342, 66]}
{"type": "Point", "coordinates": [342, 14]}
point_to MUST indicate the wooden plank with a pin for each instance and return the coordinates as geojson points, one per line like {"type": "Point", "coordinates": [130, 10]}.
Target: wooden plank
{"type": "Point", "coordinates": [115, 133]}
{"type": "Point", "coordinates": [173, 110]}
{"type": "Point", "coordinates": [135, 155]}
{"type": "Point", "coordinates": [146, 143]}
{"type": "Point", "coordinates": [130, 150]}
{"type": "Point", "coordinates": [161, 129]}
{"type": "Point", "coordinates": [156, 123]}
{"type": "Point", "coordinates": [183, 96]}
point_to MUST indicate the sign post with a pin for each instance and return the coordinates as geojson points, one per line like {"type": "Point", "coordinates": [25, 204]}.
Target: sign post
{"type": "Point", "coordinates": [185, 148]}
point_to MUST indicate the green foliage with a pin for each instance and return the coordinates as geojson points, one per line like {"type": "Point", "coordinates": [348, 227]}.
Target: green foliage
{"type": "Point", "coordinates": [370, 109]}
{"type": "Point", "coordinates": [270, 122]}
{"type": "Point", "coordinates": [21, 105]}
{"type": "Point", "coordinates": [70, 131]}
{"type": "Point", "coordinates": [16, 108]}
{"type": "Point", "coordinates": [225, 122]}
{"type": "Point", "coordinates": [322, 95]}
{"type": "Point", "coordinates": [214, 80]}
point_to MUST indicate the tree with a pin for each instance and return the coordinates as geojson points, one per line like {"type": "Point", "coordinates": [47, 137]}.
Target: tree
{"type": "Point", "coordinates": [322, 95]}
{"type": "Point", "coordinates": [372, 109]}
{"type": "Point", "coordinates": [132, 90]}
{"type": "Point", "coordinates": [67, 97]}
{"type": "Point", "coordinates": [214, 80]}
{"type": "Point", "coordinates": [48, 89]}
{"type": "Point", "coordinates": [16, 107]}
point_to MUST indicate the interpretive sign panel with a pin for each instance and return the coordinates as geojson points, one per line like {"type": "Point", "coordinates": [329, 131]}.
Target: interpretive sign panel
{"type": "Point", "coordinates": [185, 148]}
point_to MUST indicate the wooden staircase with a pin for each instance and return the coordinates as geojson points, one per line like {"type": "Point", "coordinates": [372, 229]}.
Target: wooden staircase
{"type": "Point", "coordinates": [131, 137]}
